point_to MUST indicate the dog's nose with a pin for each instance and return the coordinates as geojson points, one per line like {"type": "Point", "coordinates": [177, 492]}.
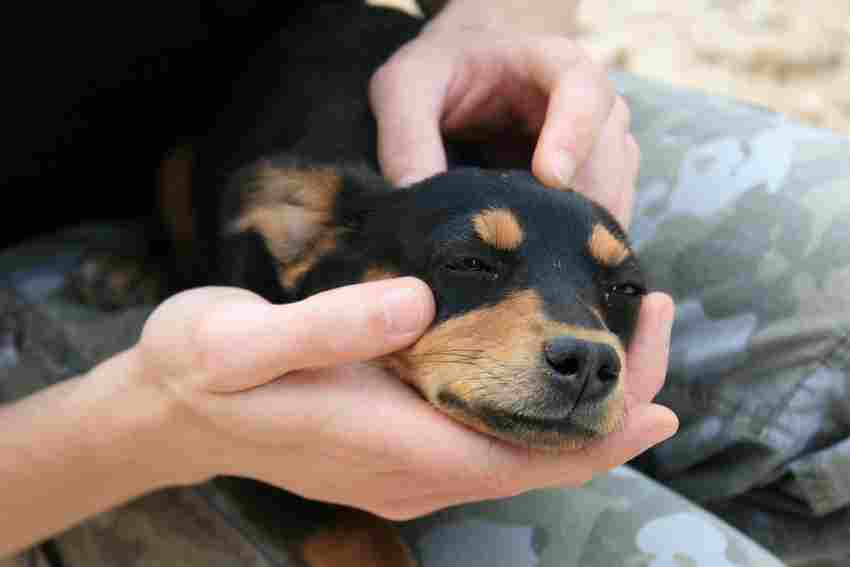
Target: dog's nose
{"type": "Point", "coordinates": [577, 362]}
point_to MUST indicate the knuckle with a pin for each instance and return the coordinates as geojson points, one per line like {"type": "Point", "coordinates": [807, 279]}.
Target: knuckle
{"type": "Point", "coordinates": [634, 147]}
{"type": "Point", "coordinates": [604, 85]}
{"type": "Point", "coordinates": [381, 81]}
{"type": "Point", "coordinates": [206, 334]}
{"type": "Point", "coordinates": [625, 113]}
{"type": "Point", "coordinates": [389, 78]}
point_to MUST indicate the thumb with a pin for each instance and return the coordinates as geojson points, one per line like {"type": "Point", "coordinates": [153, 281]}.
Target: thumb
{"type": "Point", "coordinates": [248, 344]}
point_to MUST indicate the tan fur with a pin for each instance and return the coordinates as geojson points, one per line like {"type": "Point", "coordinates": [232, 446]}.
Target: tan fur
{"type": "Point", "coordinates": [376, 273]}
{"type": "Point", "coordinates": [288, 207]}
{"type": "Point", "coordinates": [490, 358]}
{"type": "Point", "coordinates": [357, 539]}
{"type": "Point", "coordinates": [292, 273]}
{"type": "Point", "coordinates": [499, 228]}
{"type": "Point", "coordinates": [606, 248]}
{"type": "Point", "coordinates": [291, 209]}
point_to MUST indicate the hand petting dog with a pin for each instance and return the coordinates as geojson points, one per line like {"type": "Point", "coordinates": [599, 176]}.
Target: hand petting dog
{"type": "Point", "coordinates": [483, 71]}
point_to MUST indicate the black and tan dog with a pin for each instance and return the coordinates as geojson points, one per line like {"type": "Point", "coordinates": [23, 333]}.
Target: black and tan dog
{"type": "Point", "coordinates": [537, 290]}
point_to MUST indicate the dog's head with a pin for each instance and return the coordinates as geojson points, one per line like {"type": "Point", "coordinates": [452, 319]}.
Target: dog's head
{"type": "Point", "coordinates": [537, 290]}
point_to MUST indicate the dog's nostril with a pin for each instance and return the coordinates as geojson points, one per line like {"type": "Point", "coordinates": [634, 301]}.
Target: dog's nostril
{"type": "Point", "coordinates": [568, 366]}
{"type": "Point", "coordinates": [607, 374]}
{"type": "Point", "coordinates": [566, 356]}
{"type": "Point", "coordinates": [586, 368]}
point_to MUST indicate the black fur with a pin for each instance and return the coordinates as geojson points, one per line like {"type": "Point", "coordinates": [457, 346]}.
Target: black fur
{"type": "Point", "coordinates": [302, 104]}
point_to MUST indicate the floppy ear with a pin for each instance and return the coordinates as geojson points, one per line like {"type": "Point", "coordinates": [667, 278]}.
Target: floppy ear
{"type": "Point", "coordinates": [295, 214]}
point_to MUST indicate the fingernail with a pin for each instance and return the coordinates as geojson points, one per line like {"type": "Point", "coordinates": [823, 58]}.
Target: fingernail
{"type": "Point", "coordinates": [668, 422]}
{"type": "Point", "coordinates": [404, 311]}
{"type": "Point", "coordinates": [565, 168]}
{"type": "Point", "coordinates": [655, 424]}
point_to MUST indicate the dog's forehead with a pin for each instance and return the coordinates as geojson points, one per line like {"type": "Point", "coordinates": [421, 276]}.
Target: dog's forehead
{"type": "Point", "coordinates": [511, 211]}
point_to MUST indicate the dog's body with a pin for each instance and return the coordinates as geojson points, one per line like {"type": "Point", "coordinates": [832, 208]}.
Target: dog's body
{"type": "Point", "coordinates": [537, 290]}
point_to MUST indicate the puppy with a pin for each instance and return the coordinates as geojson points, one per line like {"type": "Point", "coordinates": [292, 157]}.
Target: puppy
{"type": "Point", "coordinates": [537, 290]}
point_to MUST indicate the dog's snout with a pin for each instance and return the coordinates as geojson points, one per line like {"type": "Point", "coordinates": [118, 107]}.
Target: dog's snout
{"type": "Point", "coordinates": [580, 364]}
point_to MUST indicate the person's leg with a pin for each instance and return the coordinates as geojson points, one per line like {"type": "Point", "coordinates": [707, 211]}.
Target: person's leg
{"type": "Point", "coordinates": [622, 518]}
{"type": "Point", "coordinates": [744, 217]}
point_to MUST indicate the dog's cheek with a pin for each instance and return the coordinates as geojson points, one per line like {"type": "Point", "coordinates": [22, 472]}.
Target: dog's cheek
{"type": "Point", "coordinates": [622, 317]}
{"type": "Point", "coordinates": [490, 355]}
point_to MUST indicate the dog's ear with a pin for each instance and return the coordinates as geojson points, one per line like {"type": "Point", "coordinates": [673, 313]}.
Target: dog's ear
{"type": "Point", "coordinates": [298, 214]}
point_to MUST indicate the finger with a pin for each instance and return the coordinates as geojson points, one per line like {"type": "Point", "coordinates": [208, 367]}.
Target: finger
{"type": "Point", "coordinates": [407, 106]}
{"type": "Point", "coordinates": [603, 177]}
{"type": "Point", "coordinates": [506, 470]}
{"type": "Point", "coordinates": [645, 426]}
{"type": "Point", "coordinates": [580, 101]}
{"type": "Point", "coordinates": [346, 324]}
{"type": "Point", "coordinates": [650, 348]}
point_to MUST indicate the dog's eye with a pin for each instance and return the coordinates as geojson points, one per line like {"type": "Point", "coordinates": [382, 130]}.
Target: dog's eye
{"type": "Point", "coordinates": [627, 289]}
{"type": "Point", "coordinates": [471, 265]}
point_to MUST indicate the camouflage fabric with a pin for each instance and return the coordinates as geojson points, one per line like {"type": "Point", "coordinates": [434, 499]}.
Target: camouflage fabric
{"type": "Point", "coordinates": [744, 217]}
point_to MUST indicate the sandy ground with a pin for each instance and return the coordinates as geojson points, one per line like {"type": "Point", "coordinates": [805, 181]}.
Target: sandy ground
{"type": "Point", "coordinates": [789, 55]}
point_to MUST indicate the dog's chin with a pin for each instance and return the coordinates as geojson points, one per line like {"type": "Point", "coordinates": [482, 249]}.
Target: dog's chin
{"type": "Point", "coordinates": [577, 428]}
{"type": "Point", "coordinates": [555, 426]}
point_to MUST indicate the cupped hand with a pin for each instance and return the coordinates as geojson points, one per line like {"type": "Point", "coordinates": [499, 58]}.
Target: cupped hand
{"type": "Point", "coordinates": [280, 393]}
{"type": "Point", "coordinates": [538, 92]}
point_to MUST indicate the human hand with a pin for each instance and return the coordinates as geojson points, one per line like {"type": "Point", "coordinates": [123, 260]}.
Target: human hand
{"type": "Point", "coordinates": [494, 84]}
{"type": "Point", "coordinates": [275, 393]}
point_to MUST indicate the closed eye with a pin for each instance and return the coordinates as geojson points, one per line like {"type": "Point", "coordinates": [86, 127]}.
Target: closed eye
{"type": "Point", "coordinates": [627, 289]}
{"type": "Point", "coordinates": [470, 265]}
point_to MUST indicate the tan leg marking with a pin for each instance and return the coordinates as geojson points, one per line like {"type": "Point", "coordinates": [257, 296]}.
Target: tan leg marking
{"type": "Point", "coordinates": [357, 539]}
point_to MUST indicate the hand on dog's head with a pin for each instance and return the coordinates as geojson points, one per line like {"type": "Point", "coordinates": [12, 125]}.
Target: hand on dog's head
{"type": "Point", "coordinates": [537, 290]}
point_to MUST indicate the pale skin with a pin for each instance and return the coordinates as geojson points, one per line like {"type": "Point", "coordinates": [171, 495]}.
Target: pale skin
{"type": "Point", "coordinates": [222, 382]}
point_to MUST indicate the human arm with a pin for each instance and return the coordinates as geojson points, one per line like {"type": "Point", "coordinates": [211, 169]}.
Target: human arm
{"type": "Point", "coordinates": [222, 382]}
{"type": "Point", "coordinates": [488, 70]}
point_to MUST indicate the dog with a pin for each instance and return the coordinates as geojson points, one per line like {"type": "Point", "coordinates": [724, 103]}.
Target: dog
{"type": "Point", "coordinates": [537, 290]}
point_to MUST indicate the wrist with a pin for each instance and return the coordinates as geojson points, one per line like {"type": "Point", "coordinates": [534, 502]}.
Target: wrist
{"type": "Point", "coordinates": [136, 425]}
{"type": "Point", "coordinates": [80, 447]}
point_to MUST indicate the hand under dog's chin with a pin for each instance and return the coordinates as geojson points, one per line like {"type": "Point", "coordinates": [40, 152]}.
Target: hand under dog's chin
{"type": "Point", "coordinates": [574, 429]}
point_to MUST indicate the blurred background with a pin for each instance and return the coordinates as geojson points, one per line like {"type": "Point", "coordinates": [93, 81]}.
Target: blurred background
{"type": "Point", "coordinates": [789, 55]}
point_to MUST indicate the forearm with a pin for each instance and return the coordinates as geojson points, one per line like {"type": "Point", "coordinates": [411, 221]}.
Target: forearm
{"type": "Point", "coordinates": [76, 449]}
{"type": "Point", "coordinates": [537, 16]}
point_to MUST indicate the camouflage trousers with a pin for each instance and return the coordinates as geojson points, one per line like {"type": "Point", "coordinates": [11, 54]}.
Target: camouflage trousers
{"type": "Point", "coordinates": [744, 217]}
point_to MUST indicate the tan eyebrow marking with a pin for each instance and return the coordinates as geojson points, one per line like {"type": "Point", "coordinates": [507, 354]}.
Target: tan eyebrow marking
{"type": "Point", "coordinates": [499, 228]}
{"type": "Point", "coordinates": [606, 248]}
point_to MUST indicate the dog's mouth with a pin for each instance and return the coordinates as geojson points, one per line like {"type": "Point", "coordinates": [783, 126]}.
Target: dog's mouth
{"type": "Point", "coordinates": [554, 388]}
{"type": "Point", "coordinates": [551, 429]}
